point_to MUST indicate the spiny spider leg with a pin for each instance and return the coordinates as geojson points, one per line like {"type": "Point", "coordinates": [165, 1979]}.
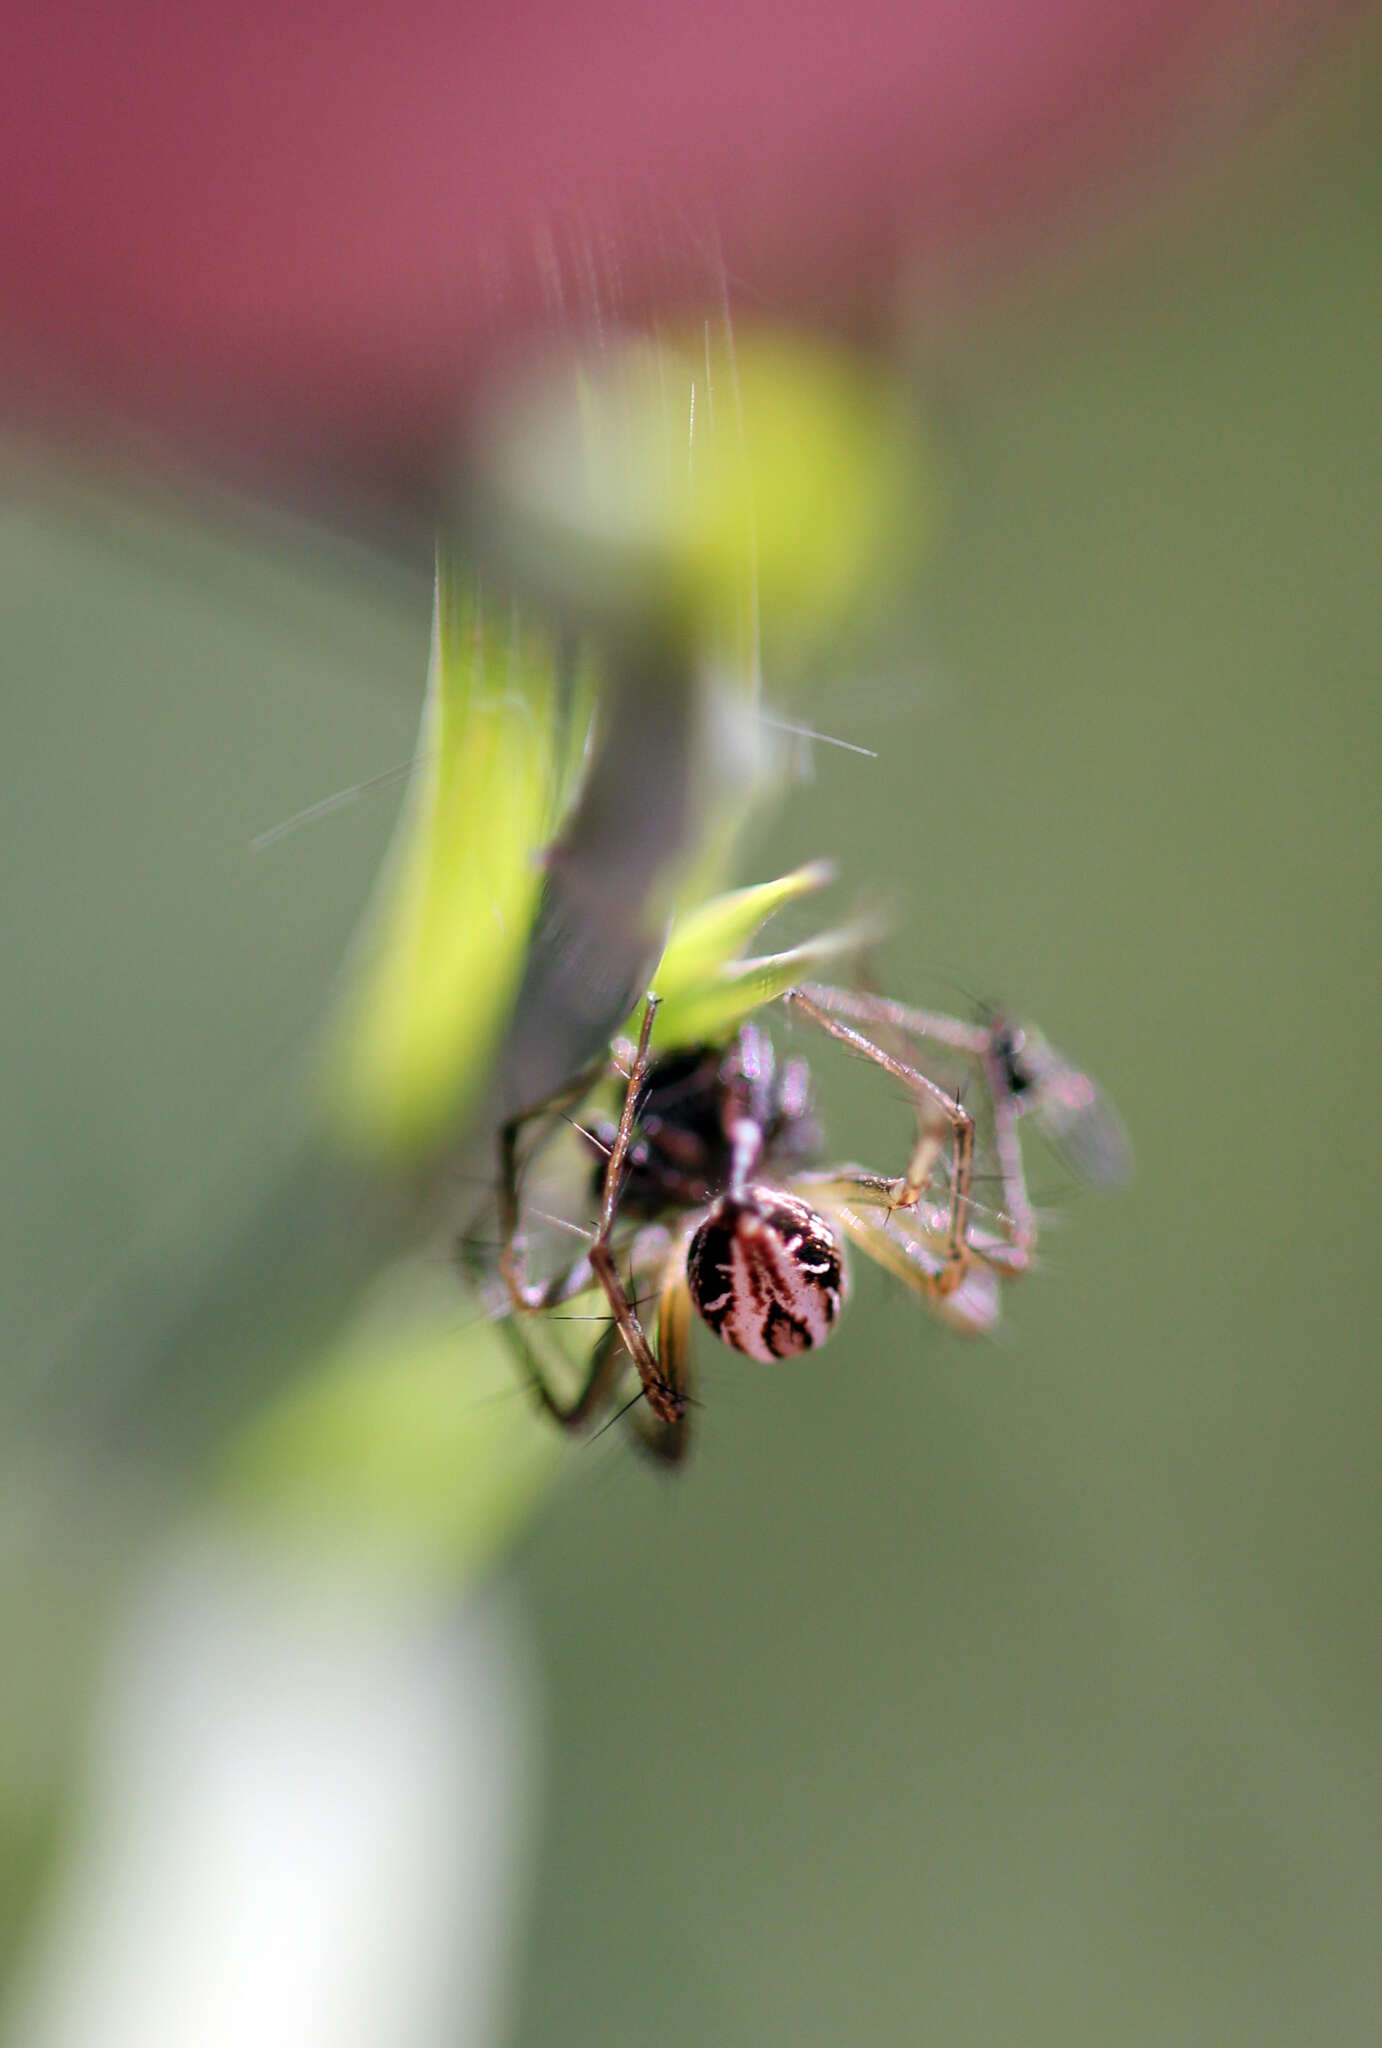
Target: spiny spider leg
{"type": "Point", "coordinates": [669, 1440]}
{"type": "Point", "coordinates": [608, 1359]}
{"type": "Point", "coordinates": [956, 1121]}
{"type": "Point", "coordinates": [874, 1197]}
{"type": "Point", "coordinates": [977, 1041]}
{"type": "Point", "coordinates": [664, 1386]}
{"type": "Point", "coordinates": [666, 1400]}
{"type": "Point", "coordinates": [971, 1308]}
{"type": "Point", "coordinates": [526, 1297]}
{"type": "Point", "coordinates": [1022, 1230]}
{"type": "Point", "coordinates": [883, 1011]}
{"type": "Point", "coordinates": [606, 1363]}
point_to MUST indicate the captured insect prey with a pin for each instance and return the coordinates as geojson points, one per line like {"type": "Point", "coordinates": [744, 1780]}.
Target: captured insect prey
{"type": "Point", "coordinates": [707, 1192]}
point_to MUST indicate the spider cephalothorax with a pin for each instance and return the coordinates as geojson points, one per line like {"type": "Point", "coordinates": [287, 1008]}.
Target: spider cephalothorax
{"type": "Point", "coordinates": [708, 1187]}
{"type": "Point", "coordinates": [682, 1149]}
{"type": "Point", "coordinates": [763, 1269]}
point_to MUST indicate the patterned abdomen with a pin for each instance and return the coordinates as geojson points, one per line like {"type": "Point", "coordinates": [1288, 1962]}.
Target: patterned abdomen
{"type": "Point", "coordinates": [766, 1273]}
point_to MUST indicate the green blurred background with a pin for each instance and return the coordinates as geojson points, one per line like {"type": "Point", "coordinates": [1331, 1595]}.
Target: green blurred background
{"type": "Point", "coordinates": [1024, 1692]}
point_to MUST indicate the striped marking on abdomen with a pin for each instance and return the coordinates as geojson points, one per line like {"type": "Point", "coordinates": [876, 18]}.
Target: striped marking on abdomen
{"type": "Point", "coordinates": [767, 1274]}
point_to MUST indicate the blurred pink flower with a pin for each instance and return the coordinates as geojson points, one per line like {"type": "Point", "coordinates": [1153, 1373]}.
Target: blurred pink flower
{"type": "Point", "coordinates": [290, 236]}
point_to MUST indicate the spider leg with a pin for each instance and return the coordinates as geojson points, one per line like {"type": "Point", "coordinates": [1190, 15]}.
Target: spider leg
{"type": "Point", "coordinates": [666, 1440]}
{"type": "Point", "coordinates": [977, 1041]}
{"type": "Point", "coordinates": [602, 1375]}
{"type": "Point", "coordinates": [1016, 1201]}
{"type": "Point", "coordinates": [523, 1294]}
{"type": "Point", "coordinates": [938, 1116]}
{"type": "Point", "coordinates": [972, 1308]}
{"type": "Point", "coordinates": [665, 1399]}
{"type": "Point", "coordinates": [607, 1360]}
{"type": "Point", "coordinates": [663, 1387]}
{"type": "Point", "coordinates": [868, 1194]}
{"type": "Point", "coordinates": [882, 1013]}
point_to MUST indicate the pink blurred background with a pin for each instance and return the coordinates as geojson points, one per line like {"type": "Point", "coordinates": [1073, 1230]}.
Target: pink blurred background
{"type": "Point", "coordinates": [289, 240]}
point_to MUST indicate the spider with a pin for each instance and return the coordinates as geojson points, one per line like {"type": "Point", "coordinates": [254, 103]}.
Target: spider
{"type": "Point", "coordinates": [707, 1186]}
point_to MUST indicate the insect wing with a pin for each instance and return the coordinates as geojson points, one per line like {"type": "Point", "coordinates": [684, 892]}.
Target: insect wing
{"type": "Point", "coordinates": [1071, 1112]}
{"type": "Point", "coordinates": [1082, 1124]}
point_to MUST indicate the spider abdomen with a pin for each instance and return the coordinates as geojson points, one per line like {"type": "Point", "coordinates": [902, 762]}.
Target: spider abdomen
{"type": "Point", "coordinates": [766, 1273]}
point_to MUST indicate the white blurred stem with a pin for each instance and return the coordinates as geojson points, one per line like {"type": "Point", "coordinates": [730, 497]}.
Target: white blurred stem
{"type": "Point", "coordinates": [304, 1826]}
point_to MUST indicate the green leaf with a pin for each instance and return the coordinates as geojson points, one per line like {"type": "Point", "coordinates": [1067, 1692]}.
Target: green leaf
{"type": "Point", "coordinates": [414, 1444]}
{"type": "Point", "coordinates": [505, 728]}
{"type": "Point", "coordinates": [704, 939]}
{"type": "Point", "coordinates": [712, 1010]}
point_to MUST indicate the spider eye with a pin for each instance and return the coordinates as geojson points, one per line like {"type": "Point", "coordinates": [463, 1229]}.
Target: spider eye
{"type": "Point", "coordinates": [766, 1273]}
